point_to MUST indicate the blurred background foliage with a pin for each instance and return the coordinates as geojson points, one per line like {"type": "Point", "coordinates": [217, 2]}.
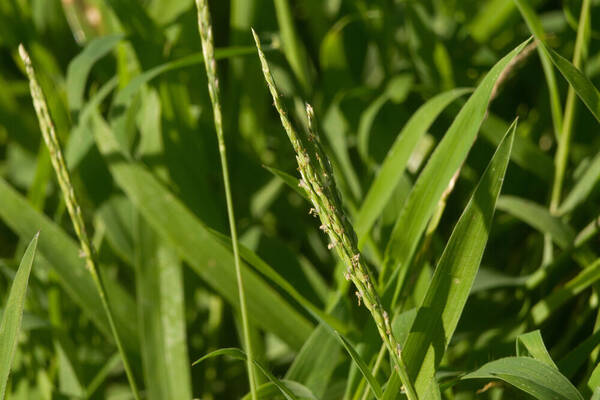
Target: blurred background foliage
{"type": "Point", "coordinates": [366, 66]}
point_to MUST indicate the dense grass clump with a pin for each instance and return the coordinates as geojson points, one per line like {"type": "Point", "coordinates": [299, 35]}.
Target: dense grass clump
{"type": "Point", "coordinates": [358, 200]}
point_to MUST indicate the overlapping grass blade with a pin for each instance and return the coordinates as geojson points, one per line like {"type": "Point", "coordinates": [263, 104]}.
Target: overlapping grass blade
{"type": "Point", "coordinates": [547, 306]}
{"type": "Point", "coordinates": [210, 258]}
{"type": "Point", "coordinates": [394, 164]}
{"type": "Point", "coordinates": [447, 293]}
{"type": "Point", "coordinates": [446, 159]}
{"type": "Point", "coordinates": [532, 376]}
{"type": "Point", "coordinates": [13, 312]}
{"type": "Point", "coordinates": [539, 218]}
{"type": "Point", "coordinates": [570, 363]}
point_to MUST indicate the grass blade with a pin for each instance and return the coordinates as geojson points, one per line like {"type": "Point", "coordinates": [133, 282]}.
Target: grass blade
{"type": "Point", "coordinates": [535, 27]}
{"type": "Point", "coordinates": [292, 46]}
{"type": "Point", "coordinates": [564, 142]}
{"type": "Point", "coordinates": [531, 376]}
{"type": "Point", "coordinates": [13, 312]}
{"type": "Point", "coordinates": [447, 293]}
{"type": "Point", "coordinates": [583, 87]}
{"type": "Point", "coordinates": [362, 366]}
{"type": "Point", "coordinates": [538, 217]}
{"type": "Point", "coordinates": [395, 161]}
{"type": "Point", "coordinates": [446, 159]}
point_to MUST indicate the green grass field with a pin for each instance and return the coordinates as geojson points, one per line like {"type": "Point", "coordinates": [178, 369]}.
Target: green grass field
{"type": "Point", "coordinates": [299, 199]}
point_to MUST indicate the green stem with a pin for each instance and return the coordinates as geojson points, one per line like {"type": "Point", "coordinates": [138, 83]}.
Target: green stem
{"type": "Point", "coordinates": [564, 142]}
{"type": "Point", "coordinates": [206, 36]}
{"type": "Point", "coordinates": [66, 186]}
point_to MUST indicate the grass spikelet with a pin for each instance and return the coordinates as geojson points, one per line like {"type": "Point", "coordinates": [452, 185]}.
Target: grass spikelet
{"type": "Point", "coordinates": [319, 184]}
{"type": "Point", "coordinates": [66, 186]}
{"type": "Point", "coordinates": [206, 36]}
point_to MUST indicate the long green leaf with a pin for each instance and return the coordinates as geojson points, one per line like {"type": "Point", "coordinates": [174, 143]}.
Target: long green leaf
{"type": "Point", "coordinates": [539, 218]}
{"type": "Point", "coordinates": [395, 161]}
{"type": "Point", "coordinates": [13, 312]}
{"type": "Point", "coordinates": [195, 243]}
{"type": "Point", "coordinates": [584, 88]}
{"type": "Point", "coordinates": [535, 27]}
{"type": "Point", "coordinates": [531, 376]}
{"type": "Point", "coordinates": [446, 159]}
{"type": "Point", "coordinates": [448, 291]}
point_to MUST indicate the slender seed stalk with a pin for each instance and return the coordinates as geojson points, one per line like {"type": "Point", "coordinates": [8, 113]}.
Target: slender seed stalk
{"type": "Point", "coordinates": [318, 183]}
{"type": "Point", "coordinates": [564, 142]}
{"type": "Point", "coordinates": [66, 186]}
{"type": "Point", "coordinates": [206, 36]}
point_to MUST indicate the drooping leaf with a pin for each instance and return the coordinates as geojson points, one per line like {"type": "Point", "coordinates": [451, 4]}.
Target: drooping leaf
{"type": "Point", "coordinates": [584, 88]}
{"type": "Point", "coordinates": [531, 376]}
{"type": "Point", "coordinates": [531, 344]}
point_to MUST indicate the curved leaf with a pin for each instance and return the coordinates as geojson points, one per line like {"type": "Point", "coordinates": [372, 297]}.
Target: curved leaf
{"type": "Point", "coordinates": [539, 218]}
{"type": "Point", "coordinates": [240, 355]}
{"type": "Point", "coordinates": [529, 375]}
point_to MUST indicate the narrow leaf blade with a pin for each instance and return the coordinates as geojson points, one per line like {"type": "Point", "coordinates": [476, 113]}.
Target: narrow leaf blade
{"type": "Point", "coordinates": [13, 313]}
